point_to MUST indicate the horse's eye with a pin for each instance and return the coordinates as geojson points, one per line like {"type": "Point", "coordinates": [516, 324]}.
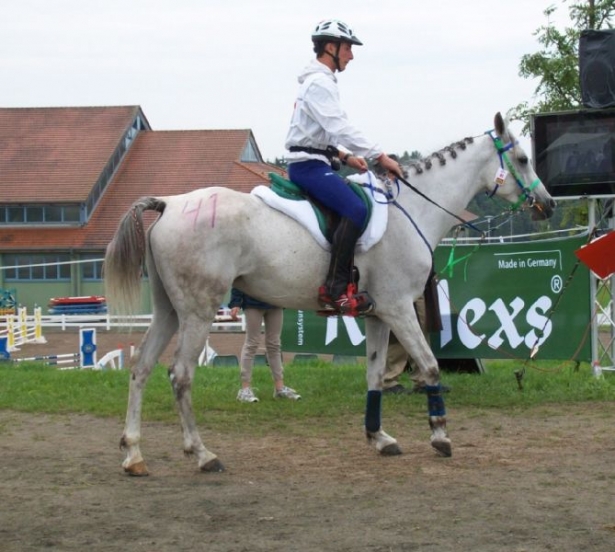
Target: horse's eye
{"type": "Point", "coordinates": [523, 159]}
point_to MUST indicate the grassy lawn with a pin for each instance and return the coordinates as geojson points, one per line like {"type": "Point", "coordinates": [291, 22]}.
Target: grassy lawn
{"type": "Point", "coordinates": [329, 392]}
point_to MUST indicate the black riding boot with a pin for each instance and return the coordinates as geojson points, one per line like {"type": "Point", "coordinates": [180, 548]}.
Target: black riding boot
{"type": "Point", "coordinates": [339, 292]}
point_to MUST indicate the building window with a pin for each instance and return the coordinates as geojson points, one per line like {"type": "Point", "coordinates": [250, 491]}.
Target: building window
{"type": "Point", "coordinates": [37, 267]}
{"type": "Point", "coordinates": [71, 213]}
{"type": "Point", "coordinates": [54, 214]}
{"type": "Point", "coordinates": [16, 215]}
{"type": "Point", "coordinates": [250, 153]}
{"type": "Point", "coordinates": [40, 214]}
{"type": "Point", "coordinates": [35, 214]}
{"type": "Point", "coordinates": [92, 270]}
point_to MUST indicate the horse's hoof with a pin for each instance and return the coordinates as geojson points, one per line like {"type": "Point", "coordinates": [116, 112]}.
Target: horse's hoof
{"type": "Point", "coordinates": [213, 466]}
{"type": "Point", "coordinates": [138, 470]}
{"type": "Point", "coordinates": [391, 450]}
{"type": "Point", "coordinates": [443, 448]}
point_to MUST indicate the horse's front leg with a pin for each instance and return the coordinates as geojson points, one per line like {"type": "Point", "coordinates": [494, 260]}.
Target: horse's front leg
{"type": "Point", "coordinates": [409, 333]}
{"type": "Point", "coordinates": [437, 420]}
{"type": "Point", "coordinates": [435, 402]}
{"type": "Point", "coordinates": [377, 340]}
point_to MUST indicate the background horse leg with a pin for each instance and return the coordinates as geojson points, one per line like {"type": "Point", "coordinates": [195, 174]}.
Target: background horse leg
{"type": "Point", "coordinates": [193, 333]}
{"type": "Point", "coordinates": [156, 338]}
{"type": "Point", "coordinates": [377, 334]}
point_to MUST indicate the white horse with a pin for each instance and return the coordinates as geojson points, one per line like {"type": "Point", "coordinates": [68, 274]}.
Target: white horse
{"type": "Point", "coordinates": [210, 239]}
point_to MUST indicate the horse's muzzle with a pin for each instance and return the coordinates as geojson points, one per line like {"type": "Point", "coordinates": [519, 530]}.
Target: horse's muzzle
{"type": "Point", "coordinates": [543, 210]}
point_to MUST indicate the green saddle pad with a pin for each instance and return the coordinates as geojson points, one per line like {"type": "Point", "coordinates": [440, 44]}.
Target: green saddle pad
{"type": "Point", "coordinates": [289, 190]}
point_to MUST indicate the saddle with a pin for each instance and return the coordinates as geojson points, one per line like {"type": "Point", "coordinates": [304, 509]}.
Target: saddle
{"type": "Point", "coordinates": [327, 219]}
{"type": "Point", "coordinates": [289, 198]}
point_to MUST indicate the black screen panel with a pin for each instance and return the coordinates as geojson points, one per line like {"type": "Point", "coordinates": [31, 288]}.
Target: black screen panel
{"type": "Point", "coordinates": [574, 152]}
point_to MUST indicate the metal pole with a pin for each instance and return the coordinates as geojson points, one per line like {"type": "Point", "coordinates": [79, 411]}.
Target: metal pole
{"type": "Point", "coordinates": [595, 326]}
{"type": "Point", "coordinates": [611, 309]}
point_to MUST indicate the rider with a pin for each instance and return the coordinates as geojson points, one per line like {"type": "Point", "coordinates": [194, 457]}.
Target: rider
{"type": "Point", "coordinates": [320, 134]}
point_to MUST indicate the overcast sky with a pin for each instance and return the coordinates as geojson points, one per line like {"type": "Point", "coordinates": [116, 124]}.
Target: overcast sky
{"type": "Point", "coordinates": [430, 72]}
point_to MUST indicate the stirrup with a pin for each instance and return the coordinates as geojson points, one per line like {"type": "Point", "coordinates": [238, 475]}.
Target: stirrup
{"type": "Point", "coordinates": [350, 303]}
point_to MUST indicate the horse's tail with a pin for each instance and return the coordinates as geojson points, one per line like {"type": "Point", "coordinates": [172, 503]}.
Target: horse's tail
{"type": "Point", "coordinates": [125, 258]}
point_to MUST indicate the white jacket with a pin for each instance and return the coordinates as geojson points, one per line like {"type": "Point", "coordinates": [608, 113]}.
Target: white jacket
{"type": "Point", "coordinates": [318, 118]}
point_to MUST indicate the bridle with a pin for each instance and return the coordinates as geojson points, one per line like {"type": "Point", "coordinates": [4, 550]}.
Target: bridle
{"type": "Point", "coordinates": [526, 191]}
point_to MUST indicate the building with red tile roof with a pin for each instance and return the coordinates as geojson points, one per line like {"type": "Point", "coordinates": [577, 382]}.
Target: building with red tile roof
{"type": "Point", "coordinates": [68, 174]}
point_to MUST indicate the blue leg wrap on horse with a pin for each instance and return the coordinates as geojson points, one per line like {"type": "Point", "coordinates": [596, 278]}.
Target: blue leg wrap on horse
{"type": "Point", "coordinates": [372, 410]}
{"type": "Point", "coordinates": [435, 402]}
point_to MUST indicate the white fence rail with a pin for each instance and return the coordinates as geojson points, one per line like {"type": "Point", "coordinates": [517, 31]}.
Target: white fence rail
{"type": "Point", "coordinates": [222, 323]}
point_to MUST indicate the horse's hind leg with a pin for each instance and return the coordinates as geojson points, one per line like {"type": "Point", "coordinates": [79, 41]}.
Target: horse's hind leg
{"type": "Point", "coordinates": [193, 334]}
{"type": "Point", "coordinates": [163, 327]}
{"type": "Point", "coordinates": [157, 337]}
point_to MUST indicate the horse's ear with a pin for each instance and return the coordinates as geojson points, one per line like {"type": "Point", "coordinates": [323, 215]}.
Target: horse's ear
{"type": "Point", "coordinates": [500, 127]}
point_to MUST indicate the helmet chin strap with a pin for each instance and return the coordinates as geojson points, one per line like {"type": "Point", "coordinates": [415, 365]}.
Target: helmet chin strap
{"type": "Point", "coordinates": [336, 57]}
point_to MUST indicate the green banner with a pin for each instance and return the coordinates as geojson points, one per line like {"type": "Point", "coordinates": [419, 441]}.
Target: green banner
{"type": "Point", "coordinates": [499, 300]}
{"type": "Point", "coordinates": [306, 332]}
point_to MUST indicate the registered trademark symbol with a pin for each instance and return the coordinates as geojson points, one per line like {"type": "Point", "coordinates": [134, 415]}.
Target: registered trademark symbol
{"type": "Point", "coordinates": [556, 284]}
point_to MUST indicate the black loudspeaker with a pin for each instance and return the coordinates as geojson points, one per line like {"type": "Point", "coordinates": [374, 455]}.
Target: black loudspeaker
{"type": "Point", "coordinates": [597, 68]}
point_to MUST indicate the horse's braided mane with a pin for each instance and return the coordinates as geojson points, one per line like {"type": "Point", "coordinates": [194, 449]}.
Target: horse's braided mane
{"type": "Point", "coordinates": [427, 162]}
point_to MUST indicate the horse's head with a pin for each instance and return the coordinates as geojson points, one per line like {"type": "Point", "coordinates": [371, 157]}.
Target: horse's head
{"type": "Point", "coordinates": [516, 181]}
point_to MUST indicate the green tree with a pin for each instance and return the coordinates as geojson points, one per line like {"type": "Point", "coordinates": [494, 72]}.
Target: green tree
{"type": "Point", "coordinates": [280, 162]}
{"type": "Point", "coordinates": [407, 158]}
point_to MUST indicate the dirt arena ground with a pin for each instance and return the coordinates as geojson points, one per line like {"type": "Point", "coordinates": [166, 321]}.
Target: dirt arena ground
{"type": "Point", "coordinates": [533, 481]}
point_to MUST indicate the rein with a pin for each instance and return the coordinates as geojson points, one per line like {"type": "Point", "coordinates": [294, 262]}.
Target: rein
{"type": "Point", "coordinates": [426, 197]}
{"type": "Point", "coordinates": [390, 196]}
{"type": "Point", "coordinates": [502, 152]}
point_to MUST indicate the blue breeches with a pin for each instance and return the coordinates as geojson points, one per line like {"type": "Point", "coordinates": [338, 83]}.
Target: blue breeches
{"type": "Point", "coordinates": [319, 180]}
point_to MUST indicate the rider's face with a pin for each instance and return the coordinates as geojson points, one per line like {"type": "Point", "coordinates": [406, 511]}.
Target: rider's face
{"type": "Point", "coordinates": [345, 55]}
